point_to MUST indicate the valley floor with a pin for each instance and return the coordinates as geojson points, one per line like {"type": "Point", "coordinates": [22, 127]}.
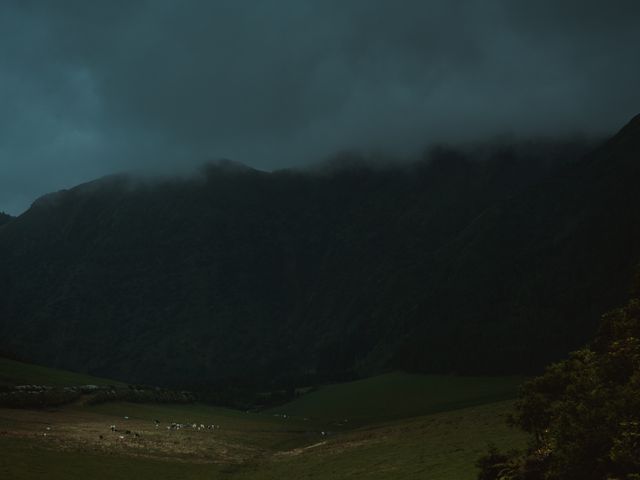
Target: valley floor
{"type": "Point", "coordinates": [77, 442]}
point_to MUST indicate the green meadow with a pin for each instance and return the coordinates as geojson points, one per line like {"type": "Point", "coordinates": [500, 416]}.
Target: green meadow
{"type": "Point", "coordinates": [398, 426]}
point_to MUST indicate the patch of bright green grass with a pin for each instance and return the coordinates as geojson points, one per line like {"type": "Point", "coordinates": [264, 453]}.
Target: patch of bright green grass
{"type": "Point", "coordinates": [398, 395]}
{"type": "Point", "coordinates": [18, 373]}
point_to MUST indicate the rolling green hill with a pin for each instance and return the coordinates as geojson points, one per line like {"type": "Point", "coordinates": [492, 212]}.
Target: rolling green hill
{"type": "Point", "coordinates": [441, 446]}
{"type": "Point", "coordinates": [19, 373]}
{"type": "Point", "coordinates": [398, 395]}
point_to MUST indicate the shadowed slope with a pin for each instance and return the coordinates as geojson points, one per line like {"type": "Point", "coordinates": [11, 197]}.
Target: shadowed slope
{"type": "Point", "coordinates": [290, 277]}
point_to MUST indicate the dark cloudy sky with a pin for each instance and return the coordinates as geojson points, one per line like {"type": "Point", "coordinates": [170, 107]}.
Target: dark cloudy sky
{"type": "Point", "coordinates": [89, 88]}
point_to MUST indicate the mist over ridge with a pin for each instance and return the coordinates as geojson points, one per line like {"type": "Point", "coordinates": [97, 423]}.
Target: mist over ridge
{"type": "Point", "coordinates": [244, 276]}
{"type": "Point", "coordinates": [91, 89]}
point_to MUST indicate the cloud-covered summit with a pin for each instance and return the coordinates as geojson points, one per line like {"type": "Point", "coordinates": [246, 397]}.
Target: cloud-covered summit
{"type": "Point", "coordinates": [90, 88]}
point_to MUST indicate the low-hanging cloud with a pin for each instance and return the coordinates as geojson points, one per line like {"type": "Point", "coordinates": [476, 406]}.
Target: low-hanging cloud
{"type": "Point", "coordinates": [91, 88]}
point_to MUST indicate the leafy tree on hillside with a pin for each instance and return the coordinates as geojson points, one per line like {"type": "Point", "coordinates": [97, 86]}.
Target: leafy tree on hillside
{"type": "Point", "coordinates": [583, 413]}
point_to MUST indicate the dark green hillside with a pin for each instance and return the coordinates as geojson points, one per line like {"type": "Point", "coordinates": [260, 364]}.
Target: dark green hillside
{"type": "Point", "coordinates": [534, 273]}
{"type": "Point", "coordinates": [247, 276]}
{"type": "Point", "coordinates": [396, 395]}
{"type": "Point", "coordinates": [19, 373]}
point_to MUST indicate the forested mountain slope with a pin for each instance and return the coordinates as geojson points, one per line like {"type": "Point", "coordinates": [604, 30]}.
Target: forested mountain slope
{"type": "Point", "coordinates": [451, 264]}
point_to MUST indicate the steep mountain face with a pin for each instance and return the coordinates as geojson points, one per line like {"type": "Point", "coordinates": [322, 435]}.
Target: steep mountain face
{"type": "Point", "coordinates": [534, 273]}
{"type": "Point", "coordinates": [451, 264]}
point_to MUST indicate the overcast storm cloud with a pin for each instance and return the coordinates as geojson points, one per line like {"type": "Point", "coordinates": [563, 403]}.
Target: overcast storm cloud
{"type": "Point", "coordinates": [91, 88]}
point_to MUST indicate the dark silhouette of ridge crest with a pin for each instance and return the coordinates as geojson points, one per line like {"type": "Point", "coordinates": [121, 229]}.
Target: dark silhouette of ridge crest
{"type": "Point", "coordinates": [271, 277]}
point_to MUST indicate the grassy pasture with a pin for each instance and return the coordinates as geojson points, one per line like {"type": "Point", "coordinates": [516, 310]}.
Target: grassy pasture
{"type": "Point", "coordinates": [400, 426]}
{"type": "Point", "coordinates": [24, 459]}
{"type": "Point", "coordinates": [441, 446]}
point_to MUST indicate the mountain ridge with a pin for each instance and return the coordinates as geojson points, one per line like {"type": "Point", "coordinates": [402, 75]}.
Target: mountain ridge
{"type": "Point", "coordinates": [241, 275]}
